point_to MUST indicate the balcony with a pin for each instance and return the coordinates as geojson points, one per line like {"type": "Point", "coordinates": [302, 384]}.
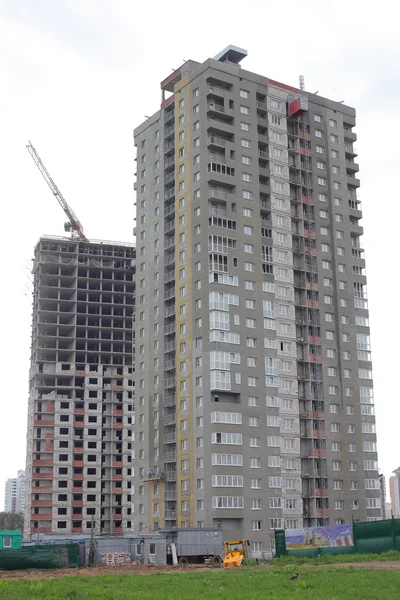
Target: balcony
{"type": "Point", "coordinates": [352, 166]}
{"type": "Point", "coordinates": [169, 243]}
{"type": "Point", "coordinates": [353, 181]}
{"type": "Point", "coordinates": [169, 131]}
{"type": "Point", "coordinates": [170, 329]}
{"type": "Point", "coordinates": [169, 210]}
{"type": "Point", "coordinates": [216, 193]}
{"type": "Point", "coordinates": [169, 146]}
{"type": "Point", "coordinates": [224, 126]}
{"type": "Point", "coordinates": [169, 194]}
{"type": "Point", "coordinates": [214, 140]}
{"type": "Point", "coordinates": [169, 419]}
{"type": "Point", "coordinates": [355, 227]}
{"type": "Point", "coordinates": [349, 135]}
{"type": "Point", "coordinates": [169, 276]}
{"type": "Point", "coordinates": [213, 107]}
{"type": "Point", "coordinates": [169, 400]}
{"type": "Point", "coordinates": [169, 227]}
{"type": "Point", "coordinates": [170, 177]}
{"type": "Point", "coordinates": [261, 106]}
{"type": "Point", "coordinates": [169, 162]}
{"type": "Point", "coordinates": [214, 90]}
{"type": "Point", "coordinates": [217, 212]}
{"type": "Point", "coordinates": [170, 382]}
{"type": "Point", "coordinates": [357, 253]}
{"type": "Point", "coordinates": [170, 457]}
{"type": "Point", "coordinates": [170, 347]}
{"type": "Point", "coordinates": [168, 312]}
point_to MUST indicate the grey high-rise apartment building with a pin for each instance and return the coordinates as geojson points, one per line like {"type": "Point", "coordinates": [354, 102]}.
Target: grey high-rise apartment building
{"type": "Point", "coordinates": [254, 401]}
{"type": "Point", "coordinates": [81, 394]}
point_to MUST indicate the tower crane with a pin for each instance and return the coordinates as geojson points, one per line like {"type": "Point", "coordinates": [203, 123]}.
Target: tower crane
{"type": "Point", "coordinates": [73, 224]}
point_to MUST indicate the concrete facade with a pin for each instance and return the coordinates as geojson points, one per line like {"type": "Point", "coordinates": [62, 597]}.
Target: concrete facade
{"type": "Point", "coordinates": [254, 399]}
{"type": "Point", "coordinates": [14, 495]}
{"type": "Point", "coordinates": [81, 389]}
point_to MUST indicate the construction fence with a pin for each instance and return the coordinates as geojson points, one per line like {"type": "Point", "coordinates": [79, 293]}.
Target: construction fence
{"type": "Point", "coordinates": [369, 536]}
{"type": "Point", "coordinates": [41, 557]}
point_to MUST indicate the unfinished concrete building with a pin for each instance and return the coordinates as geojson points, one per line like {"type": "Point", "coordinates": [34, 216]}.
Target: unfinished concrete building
{"type": "Point", "coordinates": [80, 388]}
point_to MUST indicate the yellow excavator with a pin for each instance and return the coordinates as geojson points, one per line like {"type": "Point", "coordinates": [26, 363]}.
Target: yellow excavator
{"type": "Point", "coordinates": [235, 552]}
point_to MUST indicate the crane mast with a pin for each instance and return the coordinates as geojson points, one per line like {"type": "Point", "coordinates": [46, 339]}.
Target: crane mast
{"type": "Point", "coordinates": [73, 225]}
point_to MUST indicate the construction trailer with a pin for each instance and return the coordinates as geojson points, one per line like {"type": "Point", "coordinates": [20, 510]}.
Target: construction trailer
{"type": "Point", "coordinates": [194, 545]}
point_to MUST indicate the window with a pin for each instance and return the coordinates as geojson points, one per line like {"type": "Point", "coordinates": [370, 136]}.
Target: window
{"type": "Point", "coordinates": [254, 421]}
{"type": "Point", "coordinates": [257, 525]}
{"type": "Point", "coordinates": [244, 94]}
{"type": "Point", "coordinates": [318, 118]}
{"type": "Point", "coordinates": [338, 504]}
{"type": "Point", "coordinates": [274, 482]}
{"type": "Point", "coordinates": [274, 441]}
{"type": "Point", "coordinates": [321, 165]}
{"type": "Point", "coordinates": [337, 484]}
{"type": "Point", "coordinates": [248, 212]}
{"type": "Point", "coordinates": [321, 181]}
{"type": "Point", "coordinates": [323, 214]}
{"type": "Point", "coordinates": [320, 149]}
{"type": "Point", "coordinates": [334, 408]}
{"type": "Point", "coordinates": [255, 504]}
{"type": "Point", "coordinates": [334, 138]}
{"type": "Point", "coordinates": [319, 133]}
{"type": "Point", "coordinates": [245, 143]}
{"type": "Point", "coordinates": [336, 465]}
{"type": "Point", "coordinates": [244, 110]}
{"type": "Point", "coordinates": [255, 483]}
{"type": "Point", "coordinates": [244, 126]}
{"type": "Point", "coordinates": [227, 502]}
{"type": "Point", "coordinates": [227, 481]}
{"type": "Point", "coordinates": [227, 460]}
{"type": "Point", "coordinates": [254, 442]}
{"type": "Point", "coordinates": [254, 462]}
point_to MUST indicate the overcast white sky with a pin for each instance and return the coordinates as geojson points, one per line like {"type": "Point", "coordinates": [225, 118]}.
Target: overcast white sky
{"type": "Point", "coordinates": [76, 76]}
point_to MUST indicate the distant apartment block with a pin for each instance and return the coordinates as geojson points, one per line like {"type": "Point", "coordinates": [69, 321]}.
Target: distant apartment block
{"type": "Point", "coordinates": [394, 489]}
{"type": "Point", "coordinates": [14, 497]}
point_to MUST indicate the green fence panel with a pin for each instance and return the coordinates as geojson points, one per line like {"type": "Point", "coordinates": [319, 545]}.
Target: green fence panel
{"type": "Point", "coordinates": [280, 543]}
{"type": "Point", "coordinates": [320, 551]}
{"type": "Point", "coordinates": [377, 536]}
{"type": "Point", "coordinates": [40, 557]}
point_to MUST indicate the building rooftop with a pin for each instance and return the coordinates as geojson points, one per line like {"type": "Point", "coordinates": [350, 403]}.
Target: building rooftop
{"type": "Point", "coordinates": [231, 54]}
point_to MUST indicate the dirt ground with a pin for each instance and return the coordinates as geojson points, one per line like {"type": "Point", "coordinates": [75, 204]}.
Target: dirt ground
{"type": "Point", "coordinates": [102, 570]}
{"type": "Point", "coordinates": [149, 569]}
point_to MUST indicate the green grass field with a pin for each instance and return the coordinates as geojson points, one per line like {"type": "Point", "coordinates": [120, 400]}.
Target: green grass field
{"type": "Point", "coordinates": [325, 583]}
